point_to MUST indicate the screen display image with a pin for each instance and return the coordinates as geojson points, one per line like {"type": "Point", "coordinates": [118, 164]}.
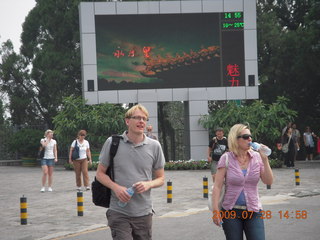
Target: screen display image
{"type": "Point", "coordinates": [169, 51]}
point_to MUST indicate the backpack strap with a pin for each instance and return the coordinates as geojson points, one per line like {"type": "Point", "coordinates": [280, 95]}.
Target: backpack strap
{"type": "Point", "coordinates": [114, 145]}
{"type": "Point", "coordinates": [113, 151]}
{"type": "Point", "coordinates": [214, 140]}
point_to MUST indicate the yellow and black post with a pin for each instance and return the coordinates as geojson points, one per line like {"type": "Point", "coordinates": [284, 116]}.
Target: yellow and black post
{"type": "Point", "coordinates": [23, 210]}
{"type": "Point", "coordinates": [169, 192]}
{"type": "Point", "coordinates": [297, 175]}
{"type": "Point", "coordinates": [80, 203]}
{"type": "Point", "coordinates": [205, 187]}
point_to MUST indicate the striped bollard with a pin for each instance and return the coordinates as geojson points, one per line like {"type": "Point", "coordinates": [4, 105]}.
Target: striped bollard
{"type": "Point", "coordinates": [205, 187]}
{"type": "Point", "coordinates": [23, 210]}
{"type": "Point", "coordinates": [169, 192]}
{"type": "Point", "coordinates": [297, 176]}
{"type": "Point", "coordinates": [80, 203]}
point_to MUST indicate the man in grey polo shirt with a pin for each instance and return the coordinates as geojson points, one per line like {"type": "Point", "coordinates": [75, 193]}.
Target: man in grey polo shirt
{"type": "Point", "coordinates": [138, 159]}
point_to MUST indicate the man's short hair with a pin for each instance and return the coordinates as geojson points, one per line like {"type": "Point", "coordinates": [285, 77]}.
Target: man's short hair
{"type": "Point", "coordinates": [219, 129]}
{"type": "Point", "coordinates": [140, 107]}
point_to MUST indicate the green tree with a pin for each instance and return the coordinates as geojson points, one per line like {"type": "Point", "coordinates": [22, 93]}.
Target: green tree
{"type": "Point", "coordinates": [26, 142]}
{"type": "Point", "coordinates": [16, 83]}
{"type": "Point", "coordinates": [48, 66]}
{"type": "Point", "coordinates": [1, 113]}
{"type": "Point", "coordinates": [289, 50]}
{"type": "Point", "coordinates": [265, 120]}
{"type": "Point", "coordinates": [100, 121]}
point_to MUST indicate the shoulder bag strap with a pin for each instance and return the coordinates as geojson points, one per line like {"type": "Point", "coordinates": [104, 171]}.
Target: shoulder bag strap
{"type": "Point", "coordinates": [227, 160]}
{"type": "Point", "coordinates": [227, 165]}
{"type": "Point", "coordinates": [214, 142]}
{"type": "Point", "coordinates": [113, 151]}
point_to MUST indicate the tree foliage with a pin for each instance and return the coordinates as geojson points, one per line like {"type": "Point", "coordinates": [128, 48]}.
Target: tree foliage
{"type": "Point", "coordinates": [265, 120]}
{"type": "Point", "coordinates": [26, 141]}
{"type": "Point", "coordinates": [171, 132]}
{"type": "Point", "coordinates": [289, 55]}
{"type": "Point", "coordinates": [48, 66]}
{"type": "Point", "coordinates": [15, 81]}
{"type": "Point", "coordinates": [100, 121]}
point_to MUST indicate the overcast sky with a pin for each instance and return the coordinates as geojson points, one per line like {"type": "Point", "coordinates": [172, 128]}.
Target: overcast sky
{"type": "Point", "coordinates": [12, 15]}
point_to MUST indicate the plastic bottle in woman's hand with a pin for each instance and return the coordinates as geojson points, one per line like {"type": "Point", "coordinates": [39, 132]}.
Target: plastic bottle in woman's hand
{"type": "Point", "coordinates": [259, 147]}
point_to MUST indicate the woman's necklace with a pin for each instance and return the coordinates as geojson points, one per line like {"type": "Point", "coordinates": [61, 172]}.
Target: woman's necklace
{"type": "Point", "coordinates": [81, 144]}
{"type": "Point", "coordinates": [243, 161]}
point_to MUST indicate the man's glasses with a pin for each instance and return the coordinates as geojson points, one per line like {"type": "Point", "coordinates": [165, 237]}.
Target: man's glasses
{"type": "Point", "coordinates": [245, 136]}
{"type": "Point", "coordinates": [139, 118]}
{"type": "Point", "coordinates": [82, 135]}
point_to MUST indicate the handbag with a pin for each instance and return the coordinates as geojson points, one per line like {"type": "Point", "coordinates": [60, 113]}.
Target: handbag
{"type": "Point", "coordinates": [75, 153]}
{"type": "Point", "coordinates": [40, 154]}
{"type": "Point", "coordinates": [100, 193]}
{"type": "Point", "coordinates": [285, 147]}
{"type": "Point", "coordinates": [223, 189]}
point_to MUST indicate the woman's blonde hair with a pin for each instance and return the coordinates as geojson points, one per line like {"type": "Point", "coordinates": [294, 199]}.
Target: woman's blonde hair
{"type": "Point", "coordinates": [140, 107]}
{"type": "Point", "coordinates": [234, 132]}
{"type": "Point", "coordinates": [81, 132]}
{"type": "Point", "coordinates": [47, 131]}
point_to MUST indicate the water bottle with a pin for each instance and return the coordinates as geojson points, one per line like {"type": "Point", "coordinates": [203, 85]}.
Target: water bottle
{"type": "Point", "coordinates": [256, 146]}
{"type": "Point", "coordinates": [130, 191]}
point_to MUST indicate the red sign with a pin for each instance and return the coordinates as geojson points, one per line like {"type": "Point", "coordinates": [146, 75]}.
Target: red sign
{"type": "Point", "coordinates": [233, 72]}
{"type": "Point", "coordinates": [132, 53]}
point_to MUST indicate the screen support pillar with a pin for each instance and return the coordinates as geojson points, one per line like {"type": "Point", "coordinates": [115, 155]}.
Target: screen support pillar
{"type": "Point", "coordinates": [198, 135]}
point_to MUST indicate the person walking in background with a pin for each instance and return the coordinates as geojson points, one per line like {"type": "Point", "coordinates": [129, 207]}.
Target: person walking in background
{"type": "Point", "coordinates": [285, 129]}
{"type": "Point", "coordinates": [217, 146]}
{"type": "Point", "coordinates": [139, 162]}
{"type": "Point", "coordinates": [81, 164]}
{"type": "Point", "coordinates": [309, 143]}
{"type": "Point", "coordinates": [149, 132]}
{"type": "Point", "coordinates": [291, 143]}
{"type": "Point", "coordinates": [49, 159]}
{"type": "Point", "coordinates": [241, 169]}
{"type": "Point", "coordinates": [296, 135]}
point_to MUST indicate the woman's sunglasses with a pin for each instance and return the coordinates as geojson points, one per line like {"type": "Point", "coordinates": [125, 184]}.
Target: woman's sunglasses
{"type": "Point", "coordinates": [245, 136]}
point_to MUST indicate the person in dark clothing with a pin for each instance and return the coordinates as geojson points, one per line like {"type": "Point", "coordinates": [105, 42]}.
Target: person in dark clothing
{"type": "Point", "coordinates": [291, 141]}
{"type": "Point", "coordinates": [217, 146]}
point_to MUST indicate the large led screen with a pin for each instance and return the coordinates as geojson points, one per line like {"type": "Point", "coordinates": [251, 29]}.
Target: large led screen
{"type": "Point", "coordinates": [169, 51]}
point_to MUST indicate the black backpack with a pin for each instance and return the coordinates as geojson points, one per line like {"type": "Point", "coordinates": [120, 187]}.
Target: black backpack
{"type": "Point", "coordinates": [100, 193]}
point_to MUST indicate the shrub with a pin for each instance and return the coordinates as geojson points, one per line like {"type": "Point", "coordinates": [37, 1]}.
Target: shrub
{"type": "Point", "coordinates": [186, 165]}
{"type": "Point", "coordinates": [181, 165]}
{"type": "Point", "coordinates": [275, 163]}
{"type": "Point", "coordinates": [26, 142]}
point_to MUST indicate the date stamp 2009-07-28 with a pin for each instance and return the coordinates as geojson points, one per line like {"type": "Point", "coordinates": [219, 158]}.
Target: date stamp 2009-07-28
{"type": "Point", "coordinates": [246, 214]}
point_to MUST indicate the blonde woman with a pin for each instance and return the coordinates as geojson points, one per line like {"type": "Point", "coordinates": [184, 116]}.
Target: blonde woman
{"type": "Point", "coordinates": [241, 207]}
{"type": "Point", "coordinates": [81, 164]}
{"type": "Point", "coordinates": [49, 159]}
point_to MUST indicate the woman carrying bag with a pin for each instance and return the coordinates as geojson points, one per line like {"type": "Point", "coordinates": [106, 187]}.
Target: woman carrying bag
{"type": "Point", "coordinates": [289, 147]}
{"type": "Point", "coordinates": [241, 206]}
{"type": "Point", "coordinates": [80, 163]}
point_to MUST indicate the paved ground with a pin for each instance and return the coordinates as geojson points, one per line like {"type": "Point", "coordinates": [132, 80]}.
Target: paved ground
{"type": "Point", "coordinates": [54, 214]}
